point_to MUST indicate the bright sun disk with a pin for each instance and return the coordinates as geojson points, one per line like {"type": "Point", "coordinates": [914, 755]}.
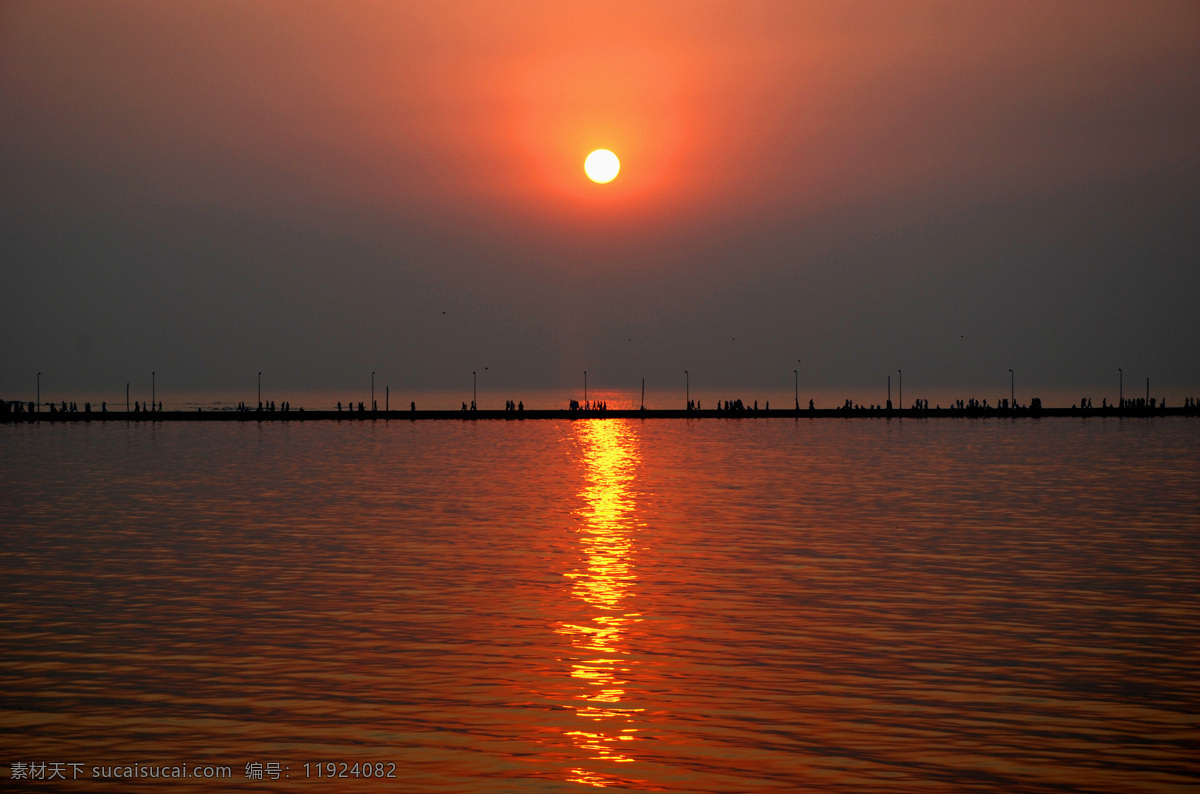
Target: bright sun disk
{"type": "Point", "coordinates": [602, 166]}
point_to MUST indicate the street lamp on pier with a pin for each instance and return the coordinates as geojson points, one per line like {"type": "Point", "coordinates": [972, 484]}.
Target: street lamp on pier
{"type": "Point", "coordinates": [796, 372]}
{"type": "Point", "coordinates": [687, 389]}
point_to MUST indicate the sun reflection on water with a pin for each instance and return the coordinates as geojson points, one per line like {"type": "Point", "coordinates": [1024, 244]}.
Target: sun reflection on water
{"type": "Point", "coordinates": [604, 582]}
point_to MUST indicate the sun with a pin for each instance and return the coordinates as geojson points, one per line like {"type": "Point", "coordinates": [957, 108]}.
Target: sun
{"type": "Point", "coordinates": [602, 166]}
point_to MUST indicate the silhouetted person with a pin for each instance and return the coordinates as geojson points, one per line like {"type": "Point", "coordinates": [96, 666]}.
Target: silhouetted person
{"type": "Point", "coordinates": [413, 405]}
{"type": "Point", "coordinates": [521, 405]}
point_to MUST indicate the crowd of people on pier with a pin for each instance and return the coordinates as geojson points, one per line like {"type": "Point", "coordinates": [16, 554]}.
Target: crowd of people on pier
{"type": "Point", "coordinates": [967, 406]}
{"type": "Point", "coordinates": [21, 408]}
{"type": "Point", "coordinates": [1141, 403]}
{"type": "Point", "coordinates": [267, 407]}
{"type": "Point", "coordinates": [731, 407]}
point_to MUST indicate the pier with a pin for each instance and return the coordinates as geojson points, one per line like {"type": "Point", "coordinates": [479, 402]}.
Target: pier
{"type": "Point", "coordinates": [300, 415]}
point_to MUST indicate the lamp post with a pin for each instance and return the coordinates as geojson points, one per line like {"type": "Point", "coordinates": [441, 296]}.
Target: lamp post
{"type": "Point", "coordinates": [643, 394]}
{"type": "Point", "coordinates": [585, 387]}
{"type": "Point", "coordinates": [687, 389]}
{"type": "Point", "coordinates": [127, 398]}
{"type": "Point", "coordinates": [796, 372]}
{"type": "Point", "coordinates": [38, 407]}
{"type": "Point", "coordinates": [1121, 387]}
{"type": "Point", "coordinates": [901, 389]}
{"type": "Point", "coordinates": [153, 404]}
{"type": "Point", "coordinates": [1012, 389]}
{"type": "Point", "coordinates": [260, 389]}
{"type": "Point", "coordinates": [474, 389]}
{"type": "Point", "coordinates": [372, 390]}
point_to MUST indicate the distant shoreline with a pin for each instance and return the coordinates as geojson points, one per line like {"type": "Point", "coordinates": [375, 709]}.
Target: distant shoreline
{"type": "Point", "coordinates": [567, 414]}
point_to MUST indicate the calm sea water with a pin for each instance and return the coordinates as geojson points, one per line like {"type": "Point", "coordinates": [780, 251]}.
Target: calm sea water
{"type": "Point", "coordinates": [719, 605]}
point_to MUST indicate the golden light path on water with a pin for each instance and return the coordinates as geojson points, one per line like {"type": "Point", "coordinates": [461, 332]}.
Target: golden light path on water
{"type": "Point", "coordinates": [605, 583]}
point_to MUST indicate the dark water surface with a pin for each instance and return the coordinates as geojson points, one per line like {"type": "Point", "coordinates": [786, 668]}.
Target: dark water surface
{"type": "Point", "coordinates": [743, 605]}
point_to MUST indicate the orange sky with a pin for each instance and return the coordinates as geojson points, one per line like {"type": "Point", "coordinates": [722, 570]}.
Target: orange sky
{"type": "Point", "coordinates": [470, 121]}
{"type": "Point", "coordinates": [714, 106]}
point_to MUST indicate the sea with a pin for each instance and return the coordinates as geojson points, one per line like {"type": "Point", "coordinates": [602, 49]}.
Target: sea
{"type": "Point", "coordinates": [701, 605]}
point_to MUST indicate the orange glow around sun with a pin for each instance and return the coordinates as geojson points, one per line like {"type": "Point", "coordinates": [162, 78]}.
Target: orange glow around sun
{"type": "Point", "coordinates": [718, 110]}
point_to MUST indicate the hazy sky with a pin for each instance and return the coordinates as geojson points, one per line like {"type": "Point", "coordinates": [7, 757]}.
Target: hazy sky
{"type": "Point", "coordinates": [318, 190]}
